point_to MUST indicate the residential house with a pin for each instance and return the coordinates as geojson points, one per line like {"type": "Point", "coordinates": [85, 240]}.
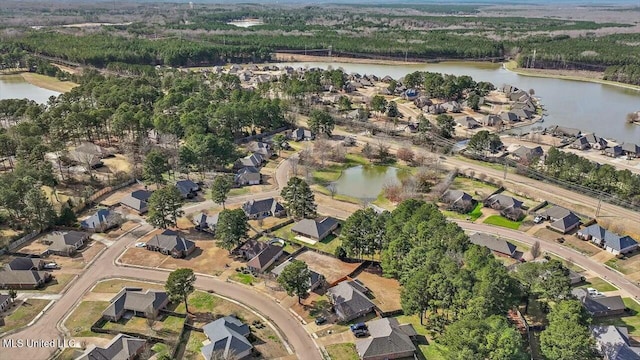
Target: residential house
{"type": "Point", "coordinates": [265, 258]}
{"type": "Point", "coordinates": [141, 303]}
{"type": "Point", "coordinates": [227, 339]}
{"type": "Point", "coordinates": [613, 342]}
{"type": "Point", "coordinates": [248, 176]}
{"type": "Point", "coordinates": [253, 160]}
{"type": "Point", "coordinates": [188, 189]}
{"type": "Point", "coordinates": [300, 134]}
{"type": "Point", "coordinates": [509, 207]}
{"type": "Point", "coordinates": [562, 131]}
{"type": "Point", "coordinates": [23, 279]}
{"type": "Point", "coordinates": [89, 154]}
{"type": "Point", "coordinates": [422, 101]}
{"type": "Point", "coordinates": [467, 122]}
{"type": "Point", "coordinates": [527, 105]}
{"type": "Point", "coordinates": [509, 117]}
{"type": "Point", "coordinates": [452, 106]}
{"type": "Point", "coordinates": [65, 243]}
{"type": "Point", "coordinates": [388, 340]}
{"type": "Point", "coordinates": [315, 229]}
{"type": "Point", "coordinates": [5, 302]}
{"type": "Point", "coordinates": [580, 143]}
{"type": "Point", "coordinates": [258, 209]}
{"type": "Point", "coordinates": [524, 153]}
{"type": "Point", "coordinates": [612, 242]}
{"type": "Point", "coordinates": [169, 242]}
{"type": "Point", "coordinates": [121, 347]}
{"type": "Point", "coordinates": [631, 150]}
{"type": "Point", "coordinates": [101, 221]}
{"type": "Point", "coordinates": [434, 109]}
{"type": "Point", "coordinates": [518, 95]}
{"type": "Point", "coordinates": [411, 128]}
{"type": "Point", "coordinates": [250, 249]}
{"type": "Point", "coordinates": [562, 220]}
{"type": "Point", "coordinates": [24, 263]}
{"type": "Point", "coordinates": [137, 200]}
{"type": "Point", "coordinates": [613, 151]}
{"type": "Point", "coordinates": [599, 305]}
{"type": "Point", "coordinates": [316, 280]}
{"type": "Point", "coordinates": [349, 300]}
{"type": "Point", "coordinates": [596, 142]}
{"type": "Point", "coordinates": [494, 244]}
{"type": "Point", "coordinates": [411, 94]}
{"type": "Point", "coordinates": [491, 120]}
{"type": "Point", "coordinates": [204, 222]}
{"type": "Point", "coordinates": [522, 114]}
{"type": "Point", "coordinates": [458, 200]}
{"type": "Point", "coordinates": [262, 148]}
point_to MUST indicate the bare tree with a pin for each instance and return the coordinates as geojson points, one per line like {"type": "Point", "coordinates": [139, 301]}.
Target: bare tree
{"type": "Point", "coordinates": [535, 250]}
{"type": "Point", "coordinates": [321, 149]}
{"type": "Point", "coordinates": [150, 317]}
{"type": "Point", "coordinates": [293, 163]}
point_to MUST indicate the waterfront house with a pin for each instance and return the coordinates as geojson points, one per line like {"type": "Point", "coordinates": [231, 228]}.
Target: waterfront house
{"type": "Point", "coordinates": [631, 150]}
{"type": "Point", "coordinates": [508, 117]}
{"type": "Point", "coordinates": [527, 154]}
{"type": "Point", "coordinates": [388, 339]}
{"type": "Point", "coordinates": [613, 151]}
{"type": "Point", "coordinates": [227, 339]}
{"type": "Point", "coordinates": [136, 302]}
{"type": "Point", "coordinates": [169, 242]}
{"type": "Point", "coordinates": [596, 142]}
{"type": "Point", "coordinates": [121, 347]}
{"type": "Point", "coordinates": [580, 143]}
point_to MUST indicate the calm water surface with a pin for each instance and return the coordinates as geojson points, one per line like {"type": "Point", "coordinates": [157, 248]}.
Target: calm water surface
{"type": "Point", "coordinates": [366, 181]}
{"type": "Point", "coordinates": [590, 107]}
{"type": "Point", "coordinates": [15, 87]}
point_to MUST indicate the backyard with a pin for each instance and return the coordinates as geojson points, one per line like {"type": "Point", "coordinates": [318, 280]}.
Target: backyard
{"type": "Point", "coordinates": [498, 220]}
{"type": "Point", "coordinates": [327, 245]}
{"type": "Point", "coordinates": [25, 312]}
{"type": "Point", "coordinates": [386, 291]}
{"type": "Point", "coordinates": [166, 327]}
{"type": "Point", "coordinates": [428, 347]}
{"type": "Point", "coordinates": [479, 190]}
{"type": "Point", "coordinates": [332, 268]}
{"type": "Point", "coordinates": [344, 351]}
{"type": "Point", "coordinates": [84, 316]}
{"type": "Point", "coordinates": [631, 319]}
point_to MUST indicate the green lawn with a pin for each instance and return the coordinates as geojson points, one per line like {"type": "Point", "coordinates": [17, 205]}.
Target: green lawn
{"type": "Point", "coordinates": [236, 191]}
{"type": "Point", "coordinates": [246, 279]}
{"type": "Point", "coordinates": [323, 190]}
{"type": "Point", "coordinates": [328, 244]}
{"type": "Point", "coordinates": [501, 221]}
{"type": "Point", "coordinates": [631, 320]}
{"type": "Point", "coordinates": [598, 284]}
{"type": "Point", "coordinates": [199, 301]}
{"type": "Point", "coordinates": [58, 284]}
{"type": "Point", "coordinates": [194, 345]}
{"type": "Point", "coordinates": [472, 215]}
{"type": "Point", "coordinates": [430, 351]}
{"type": "Point", "coordinates": [345, 351]}
{"type": "Point", "coordinates": [21, 316]}
{"type": "Point", "coordinates": [87, 313]}
{"type": "Point", "coordinates": [160, 348]}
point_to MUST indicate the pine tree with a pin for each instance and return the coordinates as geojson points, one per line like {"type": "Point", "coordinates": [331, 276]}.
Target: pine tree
{"type": "Point", "coordinates": [165, 207]}
{"type": "Point", "coordinates": [299, 199]}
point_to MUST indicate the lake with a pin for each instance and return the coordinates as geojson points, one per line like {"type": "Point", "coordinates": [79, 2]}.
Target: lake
{"type": "Point", "coordinates": [15, 87]}
{"type": "Point", "coordinates": [366, 181]}
{"type": "Point", "coordinates": [590, 107]}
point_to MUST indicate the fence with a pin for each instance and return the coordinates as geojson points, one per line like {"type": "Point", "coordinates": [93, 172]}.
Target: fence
{"type": "Point", "coordinates": [260, 136]}
{"type": "Point", "coordinates": [16, 244]}
{"type": "Point", "coordinates": [92, 199]}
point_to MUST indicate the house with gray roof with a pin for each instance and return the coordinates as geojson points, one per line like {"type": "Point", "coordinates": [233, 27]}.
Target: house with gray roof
{"type": "Point", "coordinates": [491, 120]}
{"type": "Point", "coordinates": [5, 302]}
{"type": "Point", "coordinates": [249, 175]}
{"type": "Point", "coordinates": [121, 347]}
{"type": "Point", "coordinates": [204, 222]}
{"type": "Point", "coordinates": [170, 242]}
{"type": "Point", "coordinates": [580, 143]}
{"type": "Point", "coordinates": [252, 160]}
{"type": "Point", "coordinates": [612, 242]}
{"type": "Point", "coordinates": [65, 243]}
{"type": "Point", "coordinates": [88, 154]}
{"type": "Point", "coordinates": [137, 200]}
{"type": "Point", "coordinates": [23, 279]}
{"type": "Point", "coordinates": [452, 106]}
{"type": "Point", "coordinates": [262, 148]}
{"type": "Point", "coordinates": [509, 117]}
{"type": "Point", "coordinates": [563, 131]}
{"type": "Point", "coordinates": [265, 258]}
{"type": "Point", "coordinates": [101, 221]}
{"type": "Point", "coordinates": [527, 154]}
{"type": "Point", "coordinates": [188, 189]}
{"type": "Point", "coordinates": [613, 342]}
{"type": "Point", "coordinates": [250, 249]}
{"type": "Point", "coordinates": [258, 209]}
{"type": "Point", "coordinates": [315, 229]}
{"type": "Point", "coordinates": [494, 244]}
{"type": "Point", "coordinates": [137, 302]}
{"type": "Point", "coordinates": [596, 142]}
{"type": "Point", "coordinates": [509, 207]}
{"type": "Point", "coordinates": [458, 200]}
{"type": "Point", "coordinates": [631, 150]}
{"type": "Point", "coordinates": [24, 263]}
{"type": "Point", "coordinates": [522, 114]}
{"type": "Point", "coordinates": [227, 339]}
{"type": "Point", "coordinates": [316, 280]}
{"type": "Point", "coordinates": [388, 340]}
{"type": "Point", "coordinates": [599, 305]}
{"type": "Point", "coordinates": [467, 122]}
{"type": "Point", "coordinates": [300, 134]}
{"type": "Point", "coordinates": [562, 220]}
{"type": "Point", "coordinates": [613, 151]}
{"type": "Point", "coordinates": [349, 301]}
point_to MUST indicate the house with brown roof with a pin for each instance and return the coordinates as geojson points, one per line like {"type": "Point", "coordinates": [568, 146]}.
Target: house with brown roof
{"type": "Point", "coordinates": [137, 302]}
{"type": "Point", "coordinates": [265, 258]}
{"type": "Point", "coordinates": [23, 279]}
{"type": "Point", "coordinates": [170, 242]}
{"type": "Point", "coordinates": [350, 301]}
{"type": "Point", "coordinates": [121, 347]}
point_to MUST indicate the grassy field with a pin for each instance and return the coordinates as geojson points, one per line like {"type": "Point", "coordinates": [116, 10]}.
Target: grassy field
{"type": "Point", "coordinates": [246, 279]}
{"type": "Point", "coordinates": [472, 215]}
{"type": "Point", "coordinates": [48, 82]}
{"type": "Point", "coordinates": [328, 245]}
{"type": "Point", "coordinates": [21, 316]}
{"type": "Point", "coordinates": [59, 283]}
{"type": "Point", "coordinates": [339, 197]}
{"type": "Point", "coordinates": [87, 313]}
{"type": "Point", "coordinates": [194, 345]}
{"type": "Point", "coordinates": [498, 220]}
{"type": "Point", "coordinates": [200, 301]}
{"type": "Point", "coordinates": [115, 285]}
{"type": "Point", "coordinates": [345, 351]}
{"type": "Point", "coordinates": [631, 320]}
{"type": "Point", "coordinates": [598, 284]}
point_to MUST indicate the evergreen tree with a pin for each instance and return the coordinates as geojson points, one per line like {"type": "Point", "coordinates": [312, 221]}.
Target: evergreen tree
{"type": "Point", "coordinates": [179, 285]}
{"type": "Point", "coordinates": [154, 166]}
{"type": "Point", "coordinates": [165, 207]}
{"type": "Point", "coordinates": [220, 189]}
{"type": "Point", "coordinates": [321, 122]}
{"type": "Point", "coordinates": [232, 228]}
{"type": "Point", "coordinates": [295, 278]}
{"type": "Point", "coordinates": [299, 199]}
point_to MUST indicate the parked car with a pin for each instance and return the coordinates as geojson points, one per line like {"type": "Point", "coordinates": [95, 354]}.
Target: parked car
{"type": "Point", "coordinates": [538, 219]}
{"type": "Point", "coordinates": [51, 265]}
{"type": "Point", "coordinates": [140, 245]}
{"type": "Point", "coordinates": [321, 320]}
{"type": "Point", "coordinates": [360, 333]}
{"type": "Point", "coordinates": [358, 326]}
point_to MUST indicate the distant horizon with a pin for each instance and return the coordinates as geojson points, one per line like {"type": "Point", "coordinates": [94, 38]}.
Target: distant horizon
{"type": "Point", "coordinates": [364, 2]}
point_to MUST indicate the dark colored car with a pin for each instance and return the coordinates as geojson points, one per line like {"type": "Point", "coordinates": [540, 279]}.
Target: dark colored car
{"type": "Point", "coordinates": [360, 333]}
{"type": "Point", "coordinates": [321, 320]}
{"type": "Point", "coordinates": [358, 326]}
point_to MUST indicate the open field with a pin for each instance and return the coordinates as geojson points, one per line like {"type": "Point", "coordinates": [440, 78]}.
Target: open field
{"type": "Point", "coordinates": [25, 312]}
{"type": "Point", "coordinates": [501, 221]}
{"type": "Point", "coordinates": [631, 319]}
{"type": "Point", "coordinates": [118, 163]}
{"type": "Point", "coordinates": [48, 82]}
{"type": "Point", "coordinates": [598, 284]}
{"type": "Point", "coordinates": [332, 268]}
{"type": "Point", "coordinates": [386, 292]}
{"type": "Point", "coordinates": [344, 351]}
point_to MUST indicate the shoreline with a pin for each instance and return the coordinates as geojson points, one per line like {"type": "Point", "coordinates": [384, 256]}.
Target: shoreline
{"type": "Point", "coordinates": [48, 82]}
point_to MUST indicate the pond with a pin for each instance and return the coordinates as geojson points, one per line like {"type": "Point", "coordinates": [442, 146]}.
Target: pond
{"type": "Point", "coordinates": [590, 107]}
{"type": "Point", "coordinates": [15, 87]}
{"type": "Point", "coordinates": [367, 181]}
{"type": "Point", "coordinates": [246, 23]}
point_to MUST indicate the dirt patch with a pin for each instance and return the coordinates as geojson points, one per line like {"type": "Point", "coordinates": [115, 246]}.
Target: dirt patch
{"type": "Point", "coordinates": [123, 229]}
{"type": "Point", "coordinates": [114, 198]}
{"type": "Point", "coordinates": [115, 285]}
{"type": "Point", "coordinates": [117, 163]}
{"type": "Point", "coordinates": [570, 241]}
{"type": "Point", "coordinates": [332, 268]}
{"type": "Point", "coordinates": [386, 292]}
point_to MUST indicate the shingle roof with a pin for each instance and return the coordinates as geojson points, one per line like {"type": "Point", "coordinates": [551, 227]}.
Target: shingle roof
{"type": "Point", "coordinates": [248, 174]}
{"type": "Point", "coordinates": [204, 220]}
{"type": "Point", "coordinates": [613, 342]}
{"type": "Point", "coordinates": [318, 229]}
{"type": "Point", "coordinates": [227, 336]}
{"type": "Point", "coordinates": [122, 347]}
{"type": "Point", "coordinates": [254, 207]}
{"type": "Point", "coordinates": [566, 223]}
{"type": "Point", "coordinates": [171, 240]}
{"type": "Point", "coordinates": [186, 187]}
{"type": "Point", "coordinates": [62, 240]}
{"type": "Point", "coordinates": [97, 219]}
{"type": "Point", "coordinates": [134, 299]}
{"type": "Point", "coordinates": [253, 247]}
{"type": "Point", "coordinates": [387, 339]}
{"type": "Point", "coordinates": [453, 196]}
{"type": "Point", "coordinates": [4, 298]}
{"type": "Point", "coordinates": [23, 263]}
{"type": "Point", "coordinates": [504, 201]}
{"type": "Point", "coordinates": [254, 159]}
{"type": "Point", "coordinates": [265, 256]}
{"type": "Point", "coordinates": [556, 212]}
{"type": "Point", "coordinates": [611, 239]}
{"type": "Point", "coordinates": [348, 299]}
{"type": "Point", "coordinates": [598, 304]}
{"type": "Point", "coordinates": [493, 243]}
{"type": "Point", "coordinates": [23, 277]}
{"type": "Point", "coordinates": [137, 200]}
